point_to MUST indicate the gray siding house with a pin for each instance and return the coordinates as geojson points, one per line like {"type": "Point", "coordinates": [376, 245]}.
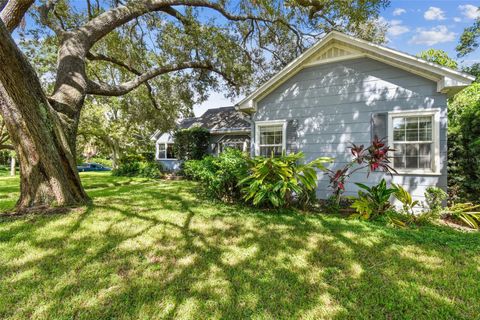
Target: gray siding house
{"type": "Point", "coordinates": [345, 90]}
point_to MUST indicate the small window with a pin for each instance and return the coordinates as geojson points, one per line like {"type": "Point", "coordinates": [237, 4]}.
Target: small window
{"type": "Point", "coordinates": [271, 138]}
{"type": "Point", "coordinates": [415, 142]}
{"type": "Point", "coordinates": [165, 151]}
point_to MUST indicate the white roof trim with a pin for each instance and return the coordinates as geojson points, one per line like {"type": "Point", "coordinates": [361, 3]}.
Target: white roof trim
{"type": "Point", "coordinates": [447, 79]}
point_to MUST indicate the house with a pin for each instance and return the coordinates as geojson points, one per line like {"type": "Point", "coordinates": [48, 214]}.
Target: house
{"type": "Point", "coordinates": [345, 90]}
{"type": "Point", "coordinates": [228, 128]}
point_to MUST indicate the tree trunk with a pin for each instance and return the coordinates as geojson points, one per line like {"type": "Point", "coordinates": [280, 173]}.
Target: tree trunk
{"type": "Point", "coordinates": [115, 153]}
{"type": "Point", "coordinates": [12, 166]}
{"type": "Point", "coordinates": [48, 174]}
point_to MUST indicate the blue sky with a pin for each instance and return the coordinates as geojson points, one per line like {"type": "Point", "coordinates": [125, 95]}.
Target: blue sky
{"type": "Point", "coordinates": [415, 25]}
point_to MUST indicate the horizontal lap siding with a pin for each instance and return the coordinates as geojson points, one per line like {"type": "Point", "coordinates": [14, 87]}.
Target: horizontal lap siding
{"type": "Point", "coordinates": [330, 106]}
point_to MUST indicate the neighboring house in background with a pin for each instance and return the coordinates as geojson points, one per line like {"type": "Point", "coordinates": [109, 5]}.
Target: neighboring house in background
{"type": "Point", "coordinates": [228, 128]}
{"type": "Point", "coordinates": [345, 90]}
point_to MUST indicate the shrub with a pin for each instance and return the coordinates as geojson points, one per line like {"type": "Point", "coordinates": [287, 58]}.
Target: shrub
{"type": "Point", "coordinates": [434, 197]}
{"type": "Point", "coordinates": [276, 181]}
{"type": "Point", "coordinates": [402, 195]}
{"type": "Point", "coordinates": [191, 144]}
{"type": "Point", "coordinates": [408, 205]}
{"type": "Point", "coordinates": [374, 202]}
{"type": "Point", "coordinates": [375, 157]}
{"type": "Point", "coordinates": [139, 169]}
{"type": "Point", "coordinates": [220, 175]}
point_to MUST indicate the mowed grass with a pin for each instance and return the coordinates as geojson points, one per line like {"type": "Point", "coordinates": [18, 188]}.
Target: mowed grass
{"type": "Point", "coordinates": [150, 249]}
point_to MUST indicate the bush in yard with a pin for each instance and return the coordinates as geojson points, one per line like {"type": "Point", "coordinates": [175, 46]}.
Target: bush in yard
{"type": "Point", "coordinates": [279, 181]}
{"type": "Point", "coordinates": [408, 207]}
{"type": "Point", "coordinates": [464, 144]}
{"type": "Point", "coordinates": [191, 144]}
{"type": "Point", "coordinates": [373, 201]}
{"type": "Point", "coordinates": [434, 197]}
{"type": "Point", "coordinates": [375, 157]}
{"type": "Point", "coordinates": [139, 169]}
{"type": "Point", "coordinates": [220, 175]}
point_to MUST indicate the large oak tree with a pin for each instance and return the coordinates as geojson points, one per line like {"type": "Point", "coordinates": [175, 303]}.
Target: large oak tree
{"type": "Point", "coordinates": [199, 41]}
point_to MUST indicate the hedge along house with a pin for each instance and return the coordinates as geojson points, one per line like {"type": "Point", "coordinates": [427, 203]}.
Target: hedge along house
{"type": "Point", "coordinates": [345, 90]}
{"type": "Point", "coordinates": [227, 126]}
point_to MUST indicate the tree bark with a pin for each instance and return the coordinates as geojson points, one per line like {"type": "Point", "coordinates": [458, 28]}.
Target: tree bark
{"type": "Point", "coordinates": [41, 136]}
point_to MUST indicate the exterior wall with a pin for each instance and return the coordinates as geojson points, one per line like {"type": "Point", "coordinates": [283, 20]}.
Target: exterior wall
{"type": "Point", "coordinates": [330, 106]}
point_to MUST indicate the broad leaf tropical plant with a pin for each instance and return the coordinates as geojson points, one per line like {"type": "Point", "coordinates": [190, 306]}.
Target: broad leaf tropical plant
{"type": "Point", "coordinates": [466, 212]}
{"type": "Point", "coordinates": [402, 195]}
{"type": "Point", "coordinates": [278, 181]}
{"type": "Point", "coordinates": [373, 201]}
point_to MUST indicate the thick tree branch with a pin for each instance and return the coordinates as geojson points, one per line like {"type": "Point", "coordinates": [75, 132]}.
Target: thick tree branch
{"type": "Point", "coordinates": [101, 57]}
{"type": "Point", "coordinates": [105, 89]}
{"type": "Point", "coordinates": [13, 12]}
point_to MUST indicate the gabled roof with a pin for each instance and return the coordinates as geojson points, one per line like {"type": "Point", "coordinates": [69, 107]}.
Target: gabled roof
{"type": "Point", "coordinates": [218, 120]}
{"type": "Point", "coordinates": [336, 46]}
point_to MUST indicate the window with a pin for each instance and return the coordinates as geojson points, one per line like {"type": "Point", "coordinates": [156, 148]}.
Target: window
{"type": "Point", "coordinates": [270, 138]}
{"type": "Point", "coordinates": [165, 151]}
{"type": "Point", "coordinates": [415, 138]}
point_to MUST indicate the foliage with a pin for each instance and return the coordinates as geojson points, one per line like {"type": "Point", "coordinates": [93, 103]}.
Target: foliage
{"type": "Point", "coordinates": [276, 181]}
{"type": "Point", "coordinates": [373, 201]}
{"type": "Point", "coordinates": [464, 143]}
{"type": "Point", "coordinates": [439, 57]}
{"type": "Point", "coordinates": [191, 144]}
{"type": "Point", "coordinates": [474, 70]}
{"type": "Point", "coordinates": [409, 216]}
{"type": "Point", "coordinates": [138, 169]}
{"type": "Point", "coordinates": [402, 195]}
{"type": "Point", "coordinates": [220, 175]}
{"type": "Point", "coordinates": [375, 157]}
{"type": "Point", "coordinates": [469, 40]}
{"type": "Point", "coordinates": [434, 197]}
{"type": "Point", "coordinates": [465, 212]}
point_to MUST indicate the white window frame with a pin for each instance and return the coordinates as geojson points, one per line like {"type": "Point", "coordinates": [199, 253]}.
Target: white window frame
{"type": "Point", "coordinates": [165, 144]}
{"type": "Point", "coordinates": [435, 114]}
{"type": "Point", "coordinates": [270, 123]}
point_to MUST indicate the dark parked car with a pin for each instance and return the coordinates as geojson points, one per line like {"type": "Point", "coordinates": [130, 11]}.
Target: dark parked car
{"type": "Point", "coordinates": [92, 167]}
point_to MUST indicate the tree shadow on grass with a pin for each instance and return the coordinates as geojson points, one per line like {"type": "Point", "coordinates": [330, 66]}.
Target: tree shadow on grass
{"type": "Point", "coordinates": [154, 250]}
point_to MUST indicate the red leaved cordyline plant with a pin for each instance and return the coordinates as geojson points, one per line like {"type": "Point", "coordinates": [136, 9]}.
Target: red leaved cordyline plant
{"type": "Point", "coordinates": [374, 158]}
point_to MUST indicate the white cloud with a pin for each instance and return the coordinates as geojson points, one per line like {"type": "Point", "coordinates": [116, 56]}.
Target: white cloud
{"type": "Point", "coordinates": [470, 11]}
{"type": "Point", "coordinates": [394, 27]}
{"type": "Point", "coordinates": [397, 28]}
{"type": "Point", "coordinates": [429, 37]}
{"type": "Point", "coordinates": [457, 19]}
{"type": "Point", "coordinates": [434, 13]}
{"type": "Point", "coordinates": [399, 11]}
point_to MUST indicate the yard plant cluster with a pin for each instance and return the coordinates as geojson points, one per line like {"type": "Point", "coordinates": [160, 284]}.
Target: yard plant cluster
{"type": "Point", "coordinates": [288, 181]}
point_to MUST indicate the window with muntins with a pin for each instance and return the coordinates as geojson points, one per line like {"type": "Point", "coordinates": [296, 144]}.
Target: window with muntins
{"type": "Point", "coordinates": [413, 141]}
{"type": "Point", "coordinates": [271, 140]}
{"type": "Point", "coordinates": [165, 151]}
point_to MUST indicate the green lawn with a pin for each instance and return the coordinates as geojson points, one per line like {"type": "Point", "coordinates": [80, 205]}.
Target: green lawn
{"type": "Point", "coordinates": [153, 250]}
